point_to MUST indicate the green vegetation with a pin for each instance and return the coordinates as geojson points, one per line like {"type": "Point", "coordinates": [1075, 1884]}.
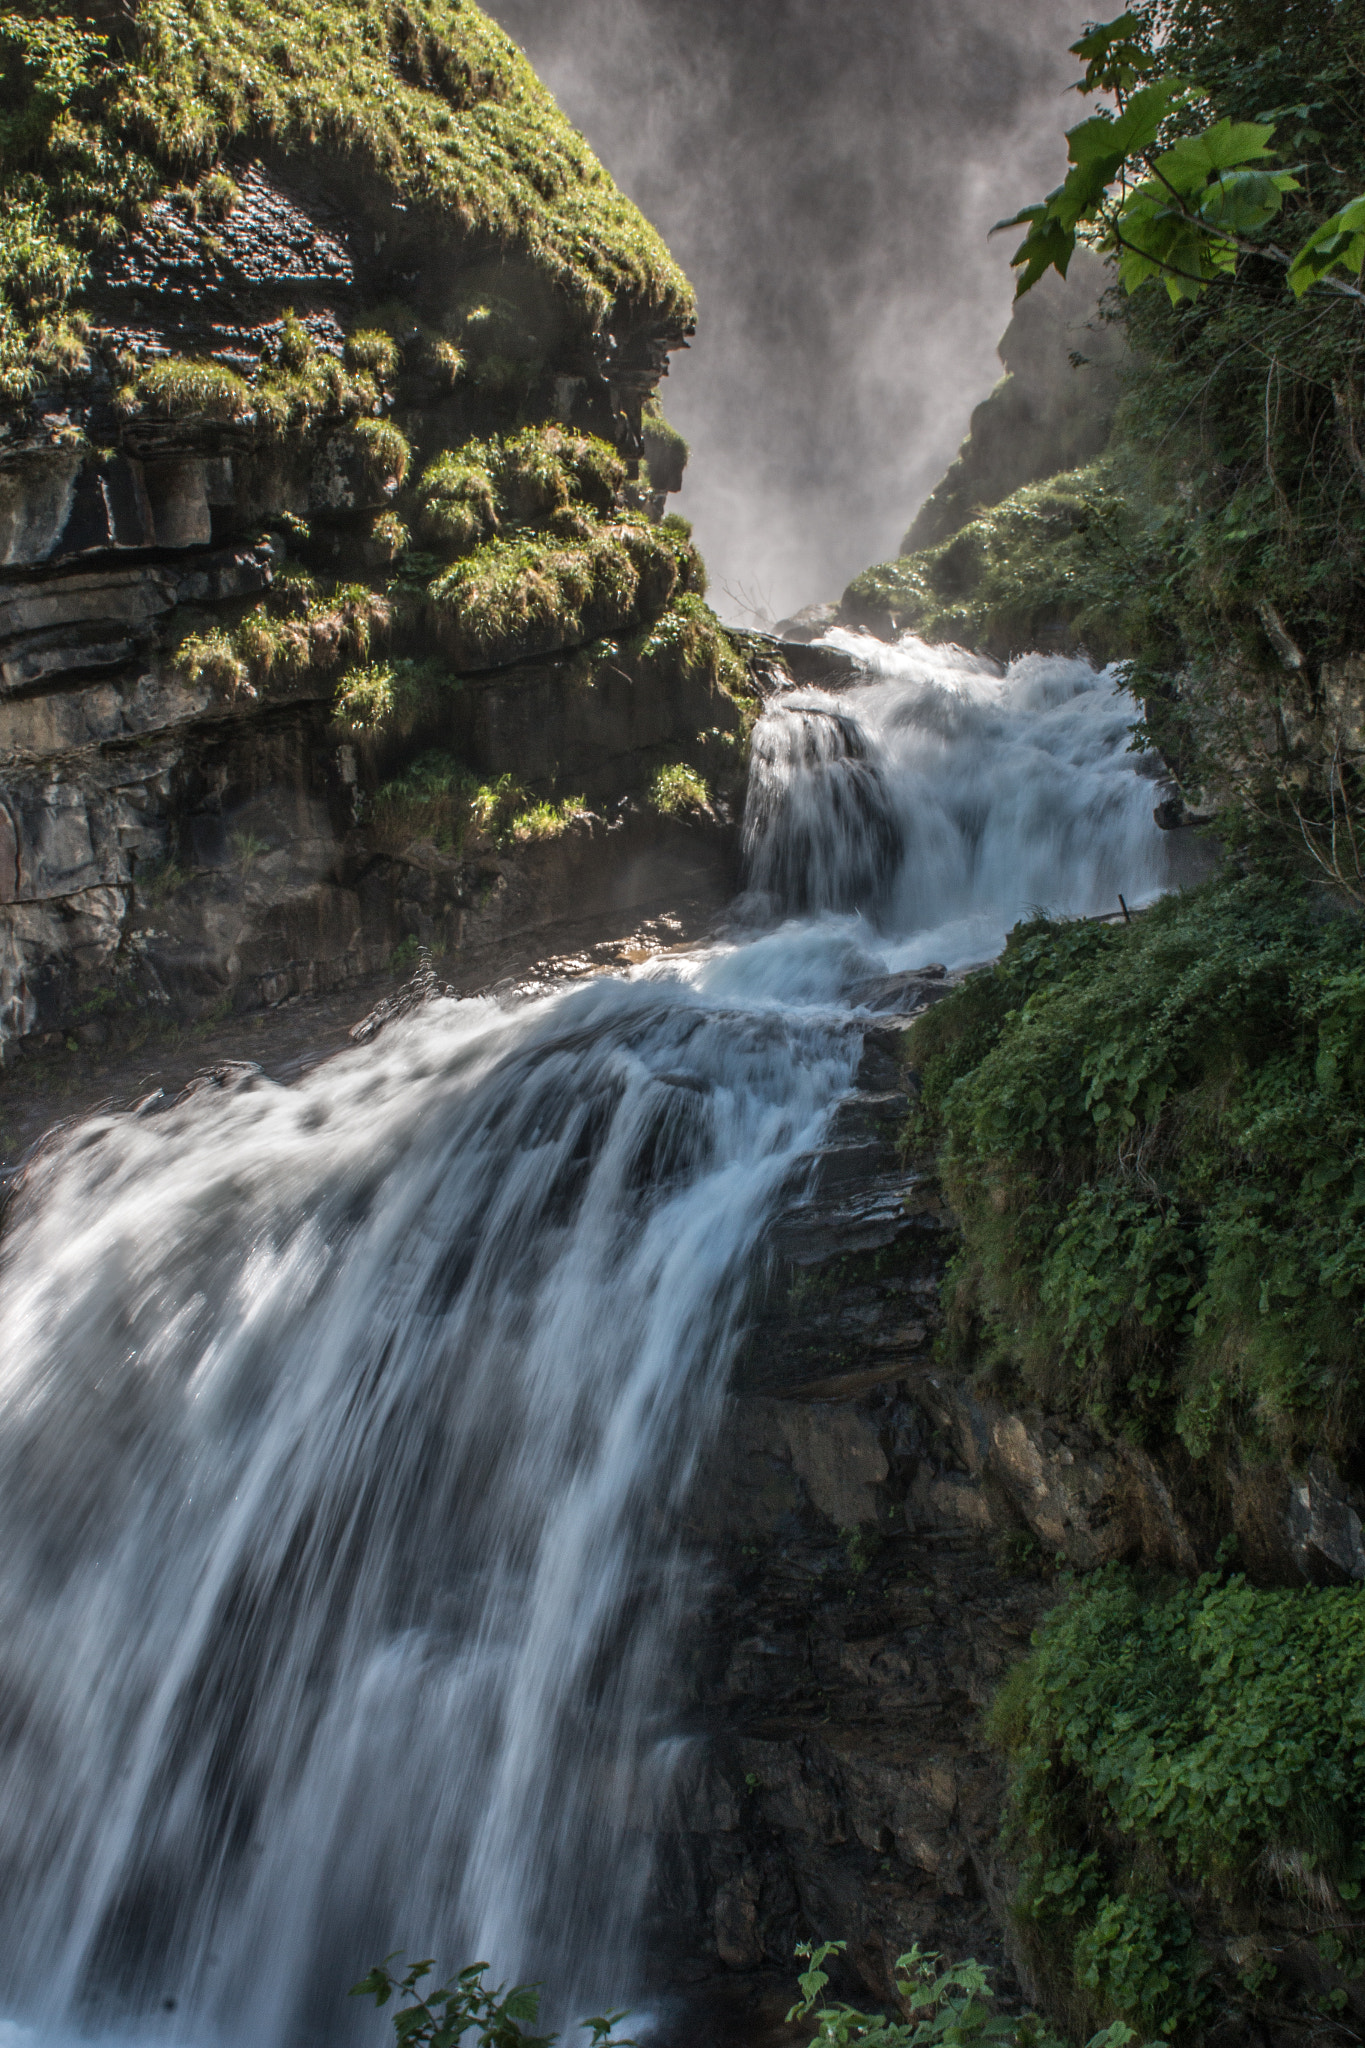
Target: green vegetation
{"type": "Point", "coordinates": [678, 788]}
{"type": "Point", "coordinates": [534, 595]}
{"type": "Point", "coordinates": [666, 451]}
{"type": "Point", "coordinates": [1155, 1138]}
{"type": "Point", "coordinates": [1183, 1759]}
{"type": "Point", "coordinates": [437, 799]}
{"type": "Point", "coordinates": [432, 99]}
{"type": "Point", "coordinates": [1063, 558]}
{"type": "Point", "coordinates": [302, 627]}
{"type": "Point", "coordinates": [497, 2018]}
{"type": "Point", "coordinates": [952, 2005]}
{"type": "Point", "coordinates": [538, 477]}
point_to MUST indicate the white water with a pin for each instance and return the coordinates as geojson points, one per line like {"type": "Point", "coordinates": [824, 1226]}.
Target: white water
{"type": "Point", "coordinates": [344, 1429]}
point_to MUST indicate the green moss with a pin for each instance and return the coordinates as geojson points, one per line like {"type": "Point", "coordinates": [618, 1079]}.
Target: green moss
{"type": "Point", "coordinates": [432, 99]}
{"type": "Point", "coordinates": [512, 598]}
{"type": "Point", "coordinates": [537, 477]}
{"type": "Point", "coordinates": [1154, 1136]}
{"type": "Point", "coordinates": [1058, 560]}
{"type": "Point", "coordinates": [1183, 1760]}
{"type": "Point", "coordinates": [666, 451]}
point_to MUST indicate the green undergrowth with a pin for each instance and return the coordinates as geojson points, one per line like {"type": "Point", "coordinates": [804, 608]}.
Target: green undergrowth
{"type": "Point", "coordinates": [536, 593]}
{"type": "Point", "coordinates": [1154, 1137]}
{"type": "Point", "coordinates": [296, 384]}
{"type": "Point", "coordinates": [1186, 1760]}
{"type": "Point", "coordinates": [431, 98]}
{"type": "Point", "coordinates": [437, 799]}
{"type": "Point", "coordinates": [303, 628]}
{"type": "Point", "coordinates": [540, 476]}
{"type": "Point", "coordinates": [1060, 560]}
{"type": "Point", "coordinates": [677, 789]}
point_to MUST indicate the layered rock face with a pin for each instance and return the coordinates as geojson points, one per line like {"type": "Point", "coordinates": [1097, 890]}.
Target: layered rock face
{"type": "Point", "coordinates": [887, 1536]}
{"type": "Point", "coordinates": [217, 514]}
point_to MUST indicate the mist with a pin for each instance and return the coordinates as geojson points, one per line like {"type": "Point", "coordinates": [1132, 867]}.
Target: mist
{"type": "Point", "coordinates": [826, 174]}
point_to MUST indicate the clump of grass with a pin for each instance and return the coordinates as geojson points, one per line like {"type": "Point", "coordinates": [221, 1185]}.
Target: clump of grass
{"type": "Point", "coordinates": [447, 363]}
{"type": "Point", "coordinates": [432, 800]}
{"type": "Point", "coordinates": [373, 351]}
{"type": "Point", "coordinates": [216, 195]}
{"type": "Point", "coordinates": [547, 819]}
{"type": "Point", "coordinates": [678, 788]}
{"type": "Point", "coordinates": [179, 387]}
{"type": "Point", "coordinates": [298, 630]}
{"type": "Point", "coordinates": [390, 534]}
{"type": "Point", "coordinates": [212, 658]}
{"type": "Point", "coordinates": [385, 447]}
{"type": "Point", "coordinates": [512, 598]}
{"type": "Point", "coordinates": [540, 476]}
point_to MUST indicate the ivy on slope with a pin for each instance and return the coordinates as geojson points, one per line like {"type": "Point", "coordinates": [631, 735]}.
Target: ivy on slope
{"type": "Point", "coordinates": [1187, 1802]}
{"type": "Point", "coordinates": [1154, 1137]}
{"type": "Point", "coordinates": [429, 96]}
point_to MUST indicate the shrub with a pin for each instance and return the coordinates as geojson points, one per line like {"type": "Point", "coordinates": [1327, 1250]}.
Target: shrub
{"type": "Point", "coordinates": [1169, 1740]}
{"type": "Point", "coordinates": [1154, 1136]}
{"type": "Point", "coordinates": [677, 788]}
{"type": "Point", "coordinates": [952, 2005]}
{"type": "Point", "coordinates": [442, 2018]}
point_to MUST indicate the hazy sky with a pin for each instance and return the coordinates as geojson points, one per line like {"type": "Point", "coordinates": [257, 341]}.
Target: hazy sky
{"type": "Point", "coordinates": [825, 171]}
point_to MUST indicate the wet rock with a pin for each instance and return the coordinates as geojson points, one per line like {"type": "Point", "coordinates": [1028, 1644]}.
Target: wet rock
{"type": "Point", "coordinates": [1324, 1527]}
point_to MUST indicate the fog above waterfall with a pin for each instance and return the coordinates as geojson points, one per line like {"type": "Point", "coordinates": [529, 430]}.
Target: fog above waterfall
{"type": "Point", "coordinates": [826, 176]}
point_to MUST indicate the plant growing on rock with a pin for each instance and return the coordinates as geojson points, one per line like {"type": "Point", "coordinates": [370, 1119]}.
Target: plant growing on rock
{"type": "Point", "coordinates": [951, 2005]}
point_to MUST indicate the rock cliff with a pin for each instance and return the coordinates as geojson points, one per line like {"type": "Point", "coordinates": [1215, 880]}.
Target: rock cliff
{"type": "Point", "coordinates": [329, 452]}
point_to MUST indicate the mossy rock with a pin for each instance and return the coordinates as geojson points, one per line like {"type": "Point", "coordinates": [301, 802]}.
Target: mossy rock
{"type": "Point", "coordinates": [1047, 569]}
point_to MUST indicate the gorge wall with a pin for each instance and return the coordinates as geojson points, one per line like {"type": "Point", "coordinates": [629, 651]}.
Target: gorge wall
{"type": "Point", "coordinates": [334, 450]}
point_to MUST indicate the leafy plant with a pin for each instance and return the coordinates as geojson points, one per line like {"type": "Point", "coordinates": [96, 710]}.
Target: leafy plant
{"type": "Point", "coordinates": [1155, 1141]}
{"type": "Point", "coordinates": [677, 788]}
{"type": "Point", "coordinates": [1185, 212]}
{"type": "Point", "coordinates": [1164, 1738]}
{"type": "Point", "coordinates": [497, 2018]}
{"type": "Point", "coordinates": [950, 2005]}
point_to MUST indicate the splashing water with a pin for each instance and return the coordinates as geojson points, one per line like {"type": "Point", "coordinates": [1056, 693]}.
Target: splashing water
{"type": "Point", "coordinates": [345, 1429]}
{"type": "Point", "coordinates": [944, 801]}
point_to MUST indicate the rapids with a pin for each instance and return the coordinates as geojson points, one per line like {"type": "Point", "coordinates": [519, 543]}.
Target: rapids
{"type": "Point", "coordinates": [345, 1429]}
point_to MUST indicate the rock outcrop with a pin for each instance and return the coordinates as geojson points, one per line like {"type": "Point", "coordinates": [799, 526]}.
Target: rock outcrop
{"type": "Point", "coordinates": [885, 1538]}
{"type": "Point", "coordinates": [228, 624]}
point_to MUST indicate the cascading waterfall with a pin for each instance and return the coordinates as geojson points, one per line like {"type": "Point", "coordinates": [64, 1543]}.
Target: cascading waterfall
{"type": "Point", "coordinates": [345, 1428]}
{"type": "Point", "coordinates": [945, 801]}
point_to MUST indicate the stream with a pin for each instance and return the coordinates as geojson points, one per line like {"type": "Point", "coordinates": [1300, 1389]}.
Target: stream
{"type": "Point", "coordinates": [346, 1429]}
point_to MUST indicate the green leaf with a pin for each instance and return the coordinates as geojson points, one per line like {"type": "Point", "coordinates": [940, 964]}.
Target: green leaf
{"type": "Point", "coordinates": [1112, 138]}
{"type": "Point", "coordinates": [1192, 161]}
{"type": "Point", "coordinates": [1339, 241]}
{"type": "Point", "coordinates": [1112, 54]}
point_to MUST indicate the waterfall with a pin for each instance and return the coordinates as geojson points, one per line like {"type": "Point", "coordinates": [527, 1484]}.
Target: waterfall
{"type": "Point", "coordinates": [345, 1428]}
{"type": "Point", "coordinates": [945, 801]}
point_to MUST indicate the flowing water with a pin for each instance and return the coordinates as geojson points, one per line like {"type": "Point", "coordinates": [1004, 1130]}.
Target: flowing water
{"type": "Point", "coordinates": [345, 1428]}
